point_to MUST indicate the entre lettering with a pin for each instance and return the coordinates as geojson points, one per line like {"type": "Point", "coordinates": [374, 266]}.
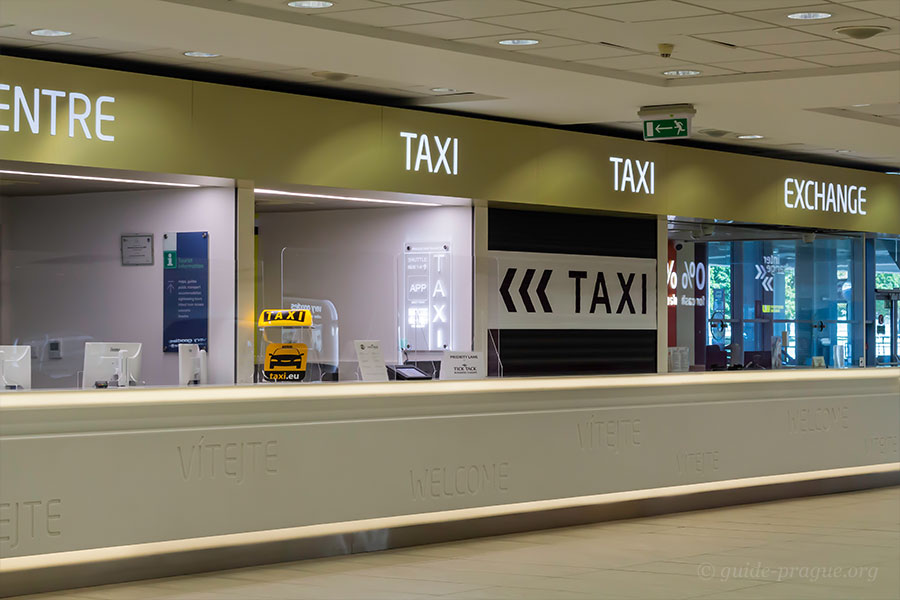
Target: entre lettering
{"type": "Point", "coordinates": [27, 105]}
{"type": "Point", "coordinates": [824, 196]}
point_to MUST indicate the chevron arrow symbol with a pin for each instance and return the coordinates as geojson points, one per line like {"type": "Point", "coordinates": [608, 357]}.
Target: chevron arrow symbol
{"type": "Point", "coordinates": [542, 291]}
{"type": "Point", "coordinates": [767, 284]}
{"type": "Point", "coordinates": [523, 290]}
{"type": "Point", "coordinates": [760, 272]}
{"type": "Point", "coordinates": [504, 290]}
{"type": "Point", "coordinates": [527, 279]}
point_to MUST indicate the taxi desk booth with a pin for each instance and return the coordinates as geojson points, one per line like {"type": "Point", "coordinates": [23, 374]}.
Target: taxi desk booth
{"type": "Point", "coordinates": [100, 486]}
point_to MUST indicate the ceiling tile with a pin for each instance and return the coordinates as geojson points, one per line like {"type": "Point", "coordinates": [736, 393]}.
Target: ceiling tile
{"type": "Point", "coordinates": [706, 71]}
{"type": "Point", "coordinates": [637, 61]}
{"type": "Point", "coordinates": [553, 19]}
{"type": "Point", "coordinates": [547, 41]}
{"type": "Point", "coordinates": [579, 52]}
{"type": "Point", "coordinates": [811, 48]}
{"type": "Point", "coordinates": [772, 64]}
{"type": "Point", "coordinates": [20, 42]}
{"type": "Point", "coordinates": [339, 6]}
{"type": "Point", "coordinates": [149, 57]}
{"type": "Point", "coordinates": [760, 37]}
{"type": "Point", "coordinates": [888, 8]}
{"type": "Point", "coordinates": [732, 6]}
{"type": "Point", "coordinates": [884, 110]}
{"type": "Point", "coordinates": [73, 49]}
{"type": "Point", "coordinates": [577, 3]}
{"type": "Point", "coordinates": [706, 24]}
{"type": "Point", "coordinates": [857, 58]}
{"type": "Point", "coordinates": [827, 29]}
{"type": "Point", "coordinates": [454, 30]}
{"type": "Point", "coordinates": [388, 16]}
{"type": "Point", "coordinates": [704, 51]}
{"type": "Point", "coordinates": [179, 55]}
{"type": "Point", "coordinates": [476, 9]}
{"type": "Point", "coordinates": [595, 35]}
{"type": "Point", "coordinates": [254, 65]}
{"type": "Point", "coordinates": [114, 45]}
{"type": "Point", "coordinates": [779, 16]}
{"type": "Point", "coordinates": [885, 41]}
{"type": "Point", "coordinates": [295, 75]}
{"type": "Point", "coordinates": [649, 10]}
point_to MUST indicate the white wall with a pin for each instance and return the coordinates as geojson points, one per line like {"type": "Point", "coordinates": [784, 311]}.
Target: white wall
{"type": "Point", "coordinates": [352, 257]}
{"type": "Point", "coordinates": [63, 277]}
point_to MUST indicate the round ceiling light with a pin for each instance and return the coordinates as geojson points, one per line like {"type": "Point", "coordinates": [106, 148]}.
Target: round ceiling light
{"type": "Point", "coordinates": [310, 4]}
{"type": "Point", "coordinates": [443, 90]}
{"type": "Point", "coordinates": [861, 32]}
{"type": "Point", "coordinates": [681, 73]}
{"type": "Point", "coordinates": [50, 33]}
{"type": "Point", "coordinates": [843, 151]}
{"type": "Point", "coordinates": [809, 16]}
{"type": "Point", "coordinates": [859, 105]}
{"type": "Point", "coordinates": [518, 42]}
{"type": "Point", "coordinates": [199, 54]}
{"type": "Point", "coordinates": [751, 137]}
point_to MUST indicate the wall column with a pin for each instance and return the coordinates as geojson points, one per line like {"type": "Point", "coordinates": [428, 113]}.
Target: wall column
{"type": "Point", "coordinates": [245, 282]}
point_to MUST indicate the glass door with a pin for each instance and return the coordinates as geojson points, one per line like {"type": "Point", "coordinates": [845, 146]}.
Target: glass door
{"type": "Point", "coordinates": [887, 328]}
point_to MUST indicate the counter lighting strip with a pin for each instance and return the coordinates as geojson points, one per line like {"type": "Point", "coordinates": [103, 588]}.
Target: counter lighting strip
{"type": "Point", "coordinates": [267, 192]}
{"type": "Point", "coordinates": [92, 555]}
{"type": "Point", "coordinates": [103, 179]}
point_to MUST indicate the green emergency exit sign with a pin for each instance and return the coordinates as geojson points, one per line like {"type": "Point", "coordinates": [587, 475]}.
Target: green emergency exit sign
{"type": "Point", "coordinates": [665, 129]}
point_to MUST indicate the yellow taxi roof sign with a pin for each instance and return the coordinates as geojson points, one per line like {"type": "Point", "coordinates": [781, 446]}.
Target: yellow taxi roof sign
{"type": "Point", "coordinates": [284, 317]}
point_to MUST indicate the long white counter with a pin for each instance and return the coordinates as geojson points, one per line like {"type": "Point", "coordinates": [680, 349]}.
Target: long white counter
{"type": "Point", "coordinates": [86, 476]}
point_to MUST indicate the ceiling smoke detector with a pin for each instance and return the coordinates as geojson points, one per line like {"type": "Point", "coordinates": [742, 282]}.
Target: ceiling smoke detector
{"type": "Point", "coordinates": [861, 32]}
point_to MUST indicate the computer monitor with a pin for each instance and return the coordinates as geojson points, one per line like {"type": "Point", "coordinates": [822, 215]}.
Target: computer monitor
{"type": "Point", "coordinates": [192, 365]}
{"type": "Point", "coordinates": [111, 364]}
{"type": "Point", "coordinates": [15, 368]}
{"type": "Point", "coordinates": [757, 359]}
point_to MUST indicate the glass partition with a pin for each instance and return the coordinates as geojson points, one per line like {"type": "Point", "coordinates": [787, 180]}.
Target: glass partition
{"type": "Point", "coordinates": [774, 298]}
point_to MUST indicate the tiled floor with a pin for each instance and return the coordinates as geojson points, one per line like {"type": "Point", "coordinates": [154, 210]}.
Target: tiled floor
{"type": "Point", "coordinates": [838, 546]}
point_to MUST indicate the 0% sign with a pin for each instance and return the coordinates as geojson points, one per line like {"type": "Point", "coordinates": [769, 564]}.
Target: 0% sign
{"type": "Point", "coordinates": [693, 275]}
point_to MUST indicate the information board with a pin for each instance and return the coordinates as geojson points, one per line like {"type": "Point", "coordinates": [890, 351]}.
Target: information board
{"type": "Point", "coordinates": [185, 289]}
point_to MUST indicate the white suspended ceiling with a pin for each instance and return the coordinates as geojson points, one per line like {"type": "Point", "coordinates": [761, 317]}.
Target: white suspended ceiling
{"type": "Point", "coordinates": [800, 84]}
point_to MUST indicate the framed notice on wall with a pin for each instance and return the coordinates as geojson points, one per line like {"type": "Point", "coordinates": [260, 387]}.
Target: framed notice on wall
{"type": "Point", "coordinates": [185, 289]}
{"type": "Point", "coordinates": [137, 249]}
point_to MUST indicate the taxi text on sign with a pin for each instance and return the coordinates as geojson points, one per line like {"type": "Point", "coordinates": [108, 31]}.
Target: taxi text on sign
{"type": "Point", "coordinates": [566, 291]}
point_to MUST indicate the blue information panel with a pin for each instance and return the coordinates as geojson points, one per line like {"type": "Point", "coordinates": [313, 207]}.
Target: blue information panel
{"type": "Point", "coordinates": [185, 289]}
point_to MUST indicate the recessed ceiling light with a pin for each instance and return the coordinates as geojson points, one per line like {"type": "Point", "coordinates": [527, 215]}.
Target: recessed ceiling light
{"type": "Point", "coordinates": [518, 42]}
{"type": "Point", "coordinates": [50, 33]}
{"type": "Point", "coordinates": [842, 151]}
{"type": "Point", "coordinates": [198, 54]}
{"type": "Point", "coordinates": [859, 105]}
{"type": "Point", "coordinates": [892, 172]}
{"type": "Point", "coordinates": [442, 90]}
{"type": "Point", "coordinates": [310, 4]}
{"type": "Point", "coordinates": [750, 137]}
{"type": "Point", "coordinates": [809, 16]}
{"type": "Point", "coordinates": [267, 192]}
{"type": "Point", "coordinates": [681, 73]}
